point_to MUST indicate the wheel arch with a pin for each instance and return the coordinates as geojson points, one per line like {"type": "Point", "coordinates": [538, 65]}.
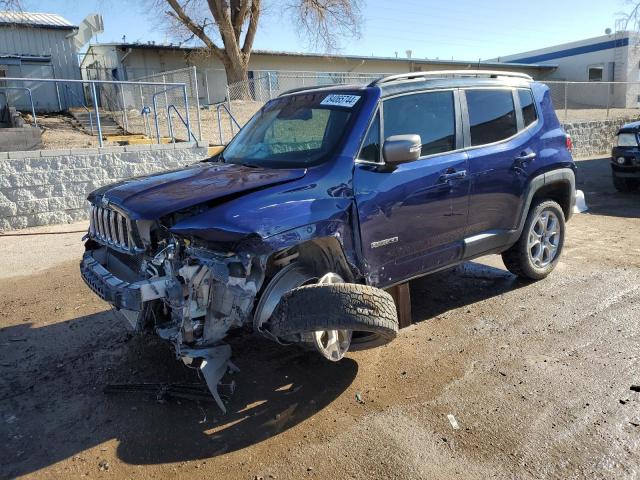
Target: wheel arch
{"type": "Point", "coordinates": [320, 254]}
{"type": "Point", "coordinates": [558, 185]}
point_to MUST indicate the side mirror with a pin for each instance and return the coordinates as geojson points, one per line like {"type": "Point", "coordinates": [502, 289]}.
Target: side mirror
{"type": "Point", "coordinates": [401, 149]}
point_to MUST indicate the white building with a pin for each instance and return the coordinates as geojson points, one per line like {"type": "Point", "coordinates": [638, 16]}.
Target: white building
{"type": "Point", "coordinates": [130, 61]}
{"type": "Point", "coordinates": [607, 58]}
{"type": "Point", "coordinates": [38, 45]}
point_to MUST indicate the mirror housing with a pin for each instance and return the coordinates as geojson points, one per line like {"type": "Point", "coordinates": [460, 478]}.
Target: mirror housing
{"type": "Point", "coordinates": [401, 149]}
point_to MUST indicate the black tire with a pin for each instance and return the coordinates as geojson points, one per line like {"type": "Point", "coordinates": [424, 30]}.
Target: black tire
{"type": "Point", "coordinates": [624, 184]}
{"type": "Point", "coordinates": [339, 306]}
{"type": "Point", "coordinates": [518, 260]}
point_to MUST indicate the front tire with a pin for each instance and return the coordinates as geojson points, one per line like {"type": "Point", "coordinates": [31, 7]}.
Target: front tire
{"type": "Point", "coordinates": [538, 250]}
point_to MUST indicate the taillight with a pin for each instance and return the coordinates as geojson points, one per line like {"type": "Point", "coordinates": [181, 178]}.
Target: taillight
{"type": "Point", "coordinates": [569, 143]}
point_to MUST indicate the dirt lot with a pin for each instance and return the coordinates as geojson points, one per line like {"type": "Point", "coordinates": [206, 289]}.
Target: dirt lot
{"type": "Point", "coordinates": [537, 376]}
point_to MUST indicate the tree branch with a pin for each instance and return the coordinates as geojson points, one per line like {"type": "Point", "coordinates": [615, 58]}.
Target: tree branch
{"type": "Point", "coordinates": [254, 16]}
{"type": "Point", "coordinates": [239, 10]}
{"type": "Point", "coordinates": [197, 30]}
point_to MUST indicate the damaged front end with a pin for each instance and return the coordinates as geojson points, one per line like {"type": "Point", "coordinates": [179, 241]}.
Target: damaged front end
{"type": "Point", "coordinates": [189, 294]}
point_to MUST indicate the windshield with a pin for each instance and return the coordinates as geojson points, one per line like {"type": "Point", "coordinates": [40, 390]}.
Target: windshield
{"type": "Point", "coordinates": [293, 131]}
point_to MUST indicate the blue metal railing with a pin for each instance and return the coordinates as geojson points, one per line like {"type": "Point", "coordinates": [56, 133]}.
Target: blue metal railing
{"type": "Point", "coordinates": [94, 95]}
{"type": "Point", "coordinates": [82, 104]}
{"type": "Point", "coordinates": [169, 121]}
{"type": "Point", "coordinates": [219, 107]}
{"type": "Point", "coordinates": [186, 108]}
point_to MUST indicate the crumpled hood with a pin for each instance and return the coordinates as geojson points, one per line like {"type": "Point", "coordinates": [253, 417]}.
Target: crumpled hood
{"type": "Point", "coordinates": [153, 196]}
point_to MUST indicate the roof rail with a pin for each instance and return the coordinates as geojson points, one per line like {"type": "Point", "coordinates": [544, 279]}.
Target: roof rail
{"type": "Point", "coordinates": [447, 73]}
{"type": "Point", "coordinates": [300, 89]}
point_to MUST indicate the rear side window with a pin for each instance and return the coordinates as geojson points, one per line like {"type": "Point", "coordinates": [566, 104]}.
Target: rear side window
{"type": "Point", "coordinates": [492, 115]}
{"type": "Point", "coordinates": [430, 115]}
{"type": "Point", "coordinates": [529, 114]}
{"type": "Point", "coordinates": [371, 147]}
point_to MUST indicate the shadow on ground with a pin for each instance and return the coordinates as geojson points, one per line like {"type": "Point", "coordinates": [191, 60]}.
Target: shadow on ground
{"type": "Point", "coordinates": [594, 178]}
{"type": "Point", "coordinates": [52, 405]}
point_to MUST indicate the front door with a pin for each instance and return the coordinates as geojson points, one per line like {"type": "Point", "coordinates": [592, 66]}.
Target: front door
{"type": "Point", "coordinates": [412, 218]}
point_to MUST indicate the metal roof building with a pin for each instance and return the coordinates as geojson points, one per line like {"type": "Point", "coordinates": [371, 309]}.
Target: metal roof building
{"type": "Point", "coordinates": [39, 45]}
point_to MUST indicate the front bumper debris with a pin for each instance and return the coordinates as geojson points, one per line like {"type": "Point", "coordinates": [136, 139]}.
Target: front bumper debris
{"type": "Point", "coordinates": [121, 294]}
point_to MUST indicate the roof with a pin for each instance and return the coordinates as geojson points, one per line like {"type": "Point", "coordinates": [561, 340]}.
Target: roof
{"type": "Point", "coordinates": [418, 84]}
{"type": "Point", "coordinates": [577, 47]}
{"type": "Point", "coordinates": [632, 127]}
{"type": "Point", "coordinates": [418, 61]}
{"type": "Point", "coordinates": [33, 19]}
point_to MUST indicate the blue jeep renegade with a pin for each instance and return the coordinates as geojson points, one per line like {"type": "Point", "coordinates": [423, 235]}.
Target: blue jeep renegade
{"type": "Point", "coordinates": [327, 197]}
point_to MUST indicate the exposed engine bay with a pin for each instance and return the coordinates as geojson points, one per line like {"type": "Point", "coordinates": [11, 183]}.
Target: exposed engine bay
{"type": "Point", "coordinates": [186, 293]}
{"type": "Point", "coordinates": [191, 294]}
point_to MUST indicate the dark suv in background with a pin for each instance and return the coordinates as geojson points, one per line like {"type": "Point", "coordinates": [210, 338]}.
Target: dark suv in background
{"type": "Point", "coordinates": [326, 197]}
{"type": "Point", "coordinates": [625, 158]}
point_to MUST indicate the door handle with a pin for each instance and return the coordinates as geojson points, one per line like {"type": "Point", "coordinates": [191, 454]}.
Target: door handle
{"type": "Point", "coordinates": [524, 159]}
{"type": "Point", "coordinates": [445, 177]}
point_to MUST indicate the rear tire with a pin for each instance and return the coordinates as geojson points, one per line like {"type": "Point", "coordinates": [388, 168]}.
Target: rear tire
{"type": "Point", "coordinates": [624, 184]}
{"type": "Point", "coordinates": [340, 306]}
{"type": "Point", "coordinates": [537, 251]}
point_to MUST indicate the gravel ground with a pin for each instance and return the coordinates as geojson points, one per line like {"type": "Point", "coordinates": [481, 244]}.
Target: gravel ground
{"type": "Point", "coordinates": [537, 376]}
{"type": "Point", "coordinates": [59, 133]}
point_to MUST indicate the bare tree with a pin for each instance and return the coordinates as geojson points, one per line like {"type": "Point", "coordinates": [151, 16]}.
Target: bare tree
{"type": "Point", "coordinates": [10, 5]}
{"type": "Point", "coordinates": [227, 28]}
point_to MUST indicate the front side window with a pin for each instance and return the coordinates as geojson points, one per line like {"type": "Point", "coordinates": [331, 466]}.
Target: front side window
{"type": "Point", "coordinates": [430, 115]}
{"type": "Point", "coordinates": [370, 150]}
{"type": "Point", "coordinates": [529, 114]}
{"type": "Point", "coordinates": [492, 115]}
{"type": "Point", "coordinates": [293, 131]}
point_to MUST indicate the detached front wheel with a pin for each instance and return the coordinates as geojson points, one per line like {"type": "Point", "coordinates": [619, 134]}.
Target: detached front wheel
{"type": "Point", "coordinates": [330, 312]}
{"type": "Point", "coordinates": [537, 251]}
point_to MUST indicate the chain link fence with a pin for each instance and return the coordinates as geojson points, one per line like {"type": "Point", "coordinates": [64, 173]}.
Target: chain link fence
{"type": "Point", "coordinates": [131, 105]}
{"type": "Point", "coordinates": [595, 101]}
{"type": "Point", "coordinates": [573, 101]}
{"type": "Point", "coordinates": [108, 109]}
{"type": "Point", "coordinates": [245, 98]}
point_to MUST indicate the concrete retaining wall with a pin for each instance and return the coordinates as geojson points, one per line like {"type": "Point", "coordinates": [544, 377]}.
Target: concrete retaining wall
{"type": "Point", "coordinates": [594, 138]}
{"type": "Point", "coordinates": [46, 187]}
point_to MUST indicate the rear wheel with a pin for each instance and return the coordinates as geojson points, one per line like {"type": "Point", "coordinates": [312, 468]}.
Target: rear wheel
{"type": "Point", "coordinates": [537, 251]}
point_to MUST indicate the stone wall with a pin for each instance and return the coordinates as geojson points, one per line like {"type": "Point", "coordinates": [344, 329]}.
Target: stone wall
{"type": "Point", "coordinates": [46, 187]}
{"type": "Point", "coordinates": [22, 138]}
{"type": "Point", "coordinates": [594, 138]}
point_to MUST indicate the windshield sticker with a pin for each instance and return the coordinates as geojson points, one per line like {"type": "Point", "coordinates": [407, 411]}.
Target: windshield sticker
{"type": "Point", "coordinates": [340, 100]}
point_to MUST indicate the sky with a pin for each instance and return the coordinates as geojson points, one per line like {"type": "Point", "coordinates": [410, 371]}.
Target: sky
{"type": "Point", "coordinates": [463, 30]}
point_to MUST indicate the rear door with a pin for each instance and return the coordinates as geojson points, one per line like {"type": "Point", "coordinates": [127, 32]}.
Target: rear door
{"type": "Point", "coordinates": [413, 217]}
{"type": "Point", "coordinates": [500, 151]}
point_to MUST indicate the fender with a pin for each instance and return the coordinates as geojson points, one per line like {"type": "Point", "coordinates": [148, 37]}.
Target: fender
{"type": "Point", "coordinates": [499, 241]}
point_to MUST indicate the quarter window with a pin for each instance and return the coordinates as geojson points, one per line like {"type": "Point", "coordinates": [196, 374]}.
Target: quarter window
{"type": "Point", "coordinates": [430, 115]}
{"type": "Point", "coordinates": [371, 147]}
{"type": "Point", "coordinates": [492, 116]}
{"type": "Point", "coordinates": [529, 114]}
